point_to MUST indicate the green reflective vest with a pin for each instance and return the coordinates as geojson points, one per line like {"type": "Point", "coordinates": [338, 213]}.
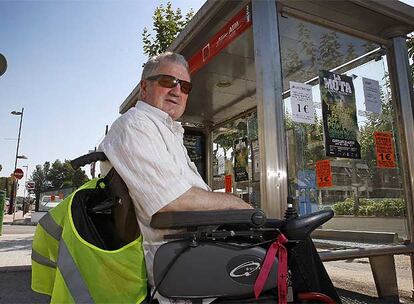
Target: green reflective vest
{"type": "Point", "coordinates": [71, 270]}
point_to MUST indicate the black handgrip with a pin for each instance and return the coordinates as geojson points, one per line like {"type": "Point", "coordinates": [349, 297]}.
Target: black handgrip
{"type": "Point", "coordinates": [87, 159]}
{"type": "Point", "coordinates": [185, 219]}
{"type": "Point", "coordinates": [301, 227]}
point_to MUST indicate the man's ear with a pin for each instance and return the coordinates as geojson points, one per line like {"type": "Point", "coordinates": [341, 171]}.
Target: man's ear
{"type": "Point", "coordinates": [143, 86]}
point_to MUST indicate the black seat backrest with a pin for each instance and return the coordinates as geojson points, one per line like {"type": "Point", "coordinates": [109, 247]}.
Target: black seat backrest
{"type": "Point", "coordinates": [124, 213]}
{"type": "Point", "coordinates": [115, 224]}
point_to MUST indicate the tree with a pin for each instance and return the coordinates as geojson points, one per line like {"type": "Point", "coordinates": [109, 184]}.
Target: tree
{"type": "Point", "coordinates": [329, 50]}
{"type": "Point", "coordinates": [410, 46]}
{"type": "Point", "coordinates": [167, 24]}
{"type": "Point", "coordinates": [293, 63]}
{"type": "Point", "coordinates": [350, 52]}
{"type": "Point", "coordinates": [6, 185]}
{"type": "Point", "coordinates": [57, 175]}
{"type": "Point", "coordinates": [309, 51]}
{"type": "Point", "coordinates": [39, 176]}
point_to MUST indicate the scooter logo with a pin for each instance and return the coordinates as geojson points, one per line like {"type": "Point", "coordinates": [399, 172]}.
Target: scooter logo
{"type": "Point", "coordinates": [245, 270]}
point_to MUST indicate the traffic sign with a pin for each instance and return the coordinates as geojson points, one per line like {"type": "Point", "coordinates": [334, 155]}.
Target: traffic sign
{"type": "Point", "coordinates": [18, 173]}
{"type": "Point", "coordinates": [30, 185]}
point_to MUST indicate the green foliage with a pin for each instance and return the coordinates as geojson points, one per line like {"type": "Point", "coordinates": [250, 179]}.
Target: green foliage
{"type": "Point", "coordinates": [57, 175]}
{"type": "Point", "coordinates": [310, 138]}
{"type": "Point", "coordinates": [329, 50]}
{"type": "Point", "coordinates": [350, 52]}
{"type": "Point", "coordinates": [371, 207]}
{"type": "Point", "coordinates": [410, 46]}
{"type": "Point", "coordinates": [6, 184]}
{"type": "Point", "coordinates": [167, 24]}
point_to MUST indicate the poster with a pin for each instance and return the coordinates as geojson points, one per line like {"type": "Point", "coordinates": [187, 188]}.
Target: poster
{"type": "Point", "coordinates": [255, 160]}
{"type": "Point", "coordinates": [323, 173]}
{"type": "Point", "coordinates": [384, 148]}
{"type": "Point", "coordinates": [221, 164]}
{"type": "Point", "coordinates": [308, 201]}
{"type": "Point", "coordinates": [240, 160]}
{"type": "Point", "coordinates": [339, 115]}
{"type": "Point", "coordinates": [372, 95]}
{"type": "Point", "coordinates": [301, 102]}
{"type": "Point", "coordinates": [194, 142]}
{"type": "Point", "coordinates": [252, 128]}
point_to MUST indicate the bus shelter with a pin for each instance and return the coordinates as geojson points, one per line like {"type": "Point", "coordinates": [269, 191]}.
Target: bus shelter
{"type": "Point", "coordinates": [311, 99]}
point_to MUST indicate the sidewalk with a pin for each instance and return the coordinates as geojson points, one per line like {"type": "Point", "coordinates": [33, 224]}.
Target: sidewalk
{"type": "Point", "coordinates": [19, 219]}
{"type": "Point", "coordinates": [16, 242]}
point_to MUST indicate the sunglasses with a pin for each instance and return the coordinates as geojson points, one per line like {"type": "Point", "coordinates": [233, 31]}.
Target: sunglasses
{"type": "Point", "coordinates": [168, 81]}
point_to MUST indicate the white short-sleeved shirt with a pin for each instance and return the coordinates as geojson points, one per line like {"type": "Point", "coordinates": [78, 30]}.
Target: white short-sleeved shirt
{"type": "Point", "coordinates": [145, 146]}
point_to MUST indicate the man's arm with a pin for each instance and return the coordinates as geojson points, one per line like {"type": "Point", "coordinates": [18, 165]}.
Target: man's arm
{"type": "Point", "coordinates": [196, 199]}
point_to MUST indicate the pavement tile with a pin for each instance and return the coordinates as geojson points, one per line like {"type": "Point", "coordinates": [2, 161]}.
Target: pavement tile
{"type": "Point", "coordinates": [15, 250]}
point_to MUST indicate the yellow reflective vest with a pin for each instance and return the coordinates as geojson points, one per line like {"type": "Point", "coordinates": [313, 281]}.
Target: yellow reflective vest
{"type": "Point", "coordinates": [71, 270]}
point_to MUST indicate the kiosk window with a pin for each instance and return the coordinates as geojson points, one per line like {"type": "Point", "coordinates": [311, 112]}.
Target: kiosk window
{"type": "Point", "coordinates": [343, 143]}
{"type": "Point", "coordinates": [235, 162]}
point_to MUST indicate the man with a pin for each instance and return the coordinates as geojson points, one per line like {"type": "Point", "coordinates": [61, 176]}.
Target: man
{"type": "Point", "coordinates": [145, 146]}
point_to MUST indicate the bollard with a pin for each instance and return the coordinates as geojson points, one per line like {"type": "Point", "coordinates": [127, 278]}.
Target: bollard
{"type": "Point", "coordinates": [2, 200]}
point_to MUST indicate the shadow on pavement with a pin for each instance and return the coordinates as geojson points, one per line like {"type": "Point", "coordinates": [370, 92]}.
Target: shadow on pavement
{"type": "Point", "coordinates": [20, 243]}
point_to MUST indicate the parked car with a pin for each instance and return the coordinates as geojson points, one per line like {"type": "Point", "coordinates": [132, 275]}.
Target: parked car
{"type": "Point", "coordinates": [48, 202]}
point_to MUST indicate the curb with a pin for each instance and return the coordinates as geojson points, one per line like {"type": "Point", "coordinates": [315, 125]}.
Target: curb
{"type": "Point", "coordinates": [20, 223]}
{"type": "Point", "coordinates": [16, 268]}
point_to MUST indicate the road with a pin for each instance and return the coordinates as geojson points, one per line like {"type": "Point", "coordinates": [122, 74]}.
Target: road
{"type": "Point", "coordinates": [15, 288]}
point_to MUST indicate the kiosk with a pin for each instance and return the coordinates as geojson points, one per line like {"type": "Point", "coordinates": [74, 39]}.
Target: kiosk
{"type": "Point", "coordinates": [311, 99]}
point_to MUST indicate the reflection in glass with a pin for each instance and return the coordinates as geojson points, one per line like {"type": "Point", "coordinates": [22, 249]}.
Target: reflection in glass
{"type": "Point", "coordinates": [231, 142]}
{"type": "Point", "coordinates": [360, 186]}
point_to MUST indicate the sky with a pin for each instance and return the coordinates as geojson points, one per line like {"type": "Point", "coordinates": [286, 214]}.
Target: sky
{"type": "Point", "coordinates": [70, 66]}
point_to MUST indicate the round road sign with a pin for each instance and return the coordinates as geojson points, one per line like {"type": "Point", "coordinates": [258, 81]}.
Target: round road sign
{"type": "Point", "coordinates": [18, 173]}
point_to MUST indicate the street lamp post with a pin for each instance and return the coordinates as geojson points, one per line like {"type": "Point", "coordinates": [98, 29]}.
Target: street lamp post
{"type": "Point", "coordinates": [14, 184]}
{"type": "Point", "coordinates": [24, 191]}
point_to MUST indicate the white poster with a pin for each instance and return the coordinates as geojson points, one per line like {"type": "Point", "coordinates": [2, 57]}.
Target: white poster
{"type": "Point", "coordinates": [221, 160]}
{"type": "Point", "coordinates": [372, 95]}
{"type": "Point", "coordinates": [303, 110]}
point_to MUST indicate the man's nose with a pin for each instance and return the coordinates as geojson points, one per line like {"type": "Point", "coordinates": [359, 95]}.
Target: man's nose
{"type": "Point", "coordinates": [175, 91]}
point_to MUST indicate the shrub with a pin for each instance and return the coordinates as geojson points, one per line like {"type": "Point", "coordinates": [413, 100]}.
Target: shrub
{"type": "Point", "coordinates": [371, 207]}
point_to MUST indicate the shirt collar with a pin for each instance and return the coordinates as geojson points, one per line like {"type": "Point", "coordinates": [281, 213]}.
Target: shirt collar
{"type": "Point", "coordinates": [161, 115]}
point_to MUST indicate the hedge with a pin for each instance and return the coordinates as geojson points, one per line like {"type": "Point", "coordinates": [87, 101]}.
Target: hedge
{"type": "Point", "coordinates": [371, 207]}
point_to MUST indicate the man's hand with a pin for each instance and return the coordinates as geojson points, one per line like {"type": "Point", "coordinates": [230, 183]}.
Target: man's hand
{"type": "Point", "coordinates": [197, 199]}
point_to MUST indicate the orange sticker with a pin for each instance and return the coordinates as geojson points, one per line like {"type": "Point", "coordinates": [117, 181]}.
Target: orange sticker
{"type": "Point", "coordinates": [323, 173]}
{"type": "Point", "coordinates": [227, 182]}
{"type": "Point", "coordinates": [384, 148]}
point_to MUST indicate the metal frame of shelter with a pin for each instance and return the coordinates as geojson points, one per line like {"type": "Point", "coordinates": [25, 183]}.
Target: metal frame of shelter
{"type": "Point", "coordinates": [256, 59]}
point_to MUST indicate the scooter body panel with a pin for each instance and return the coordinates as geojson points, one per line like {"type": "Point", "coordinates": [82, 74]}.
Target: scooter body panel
{"type": "Point", "coordinates": [210, 269]}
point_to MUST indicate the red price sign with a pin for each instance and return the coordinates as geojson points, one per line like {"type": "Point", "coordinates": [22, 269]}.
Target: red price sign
{"type": "Point", "coordinates": [323, 173]}
{"type": "Point", "coordinates": [385, 150]}
{"type": "Point", "coordinates": [228, 182]}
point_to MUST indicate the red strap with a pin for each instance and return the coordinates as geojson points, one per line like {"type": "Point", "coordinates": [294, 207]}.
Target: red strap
{"type": "Point", "coordinates": [276, 248]}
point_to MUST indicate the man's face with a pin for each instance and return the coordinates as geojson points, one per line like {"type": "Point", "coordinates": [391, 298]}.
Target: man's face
{"type": "Point", "coordinates": [170, 100]}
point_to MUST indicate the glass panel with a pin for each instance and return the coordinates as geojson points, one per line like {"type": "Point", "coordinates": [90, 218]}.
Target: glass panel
{"type": "Point", "coordinates": [364, 183]}
{"type": "Point", "coordinates": [236, 158]}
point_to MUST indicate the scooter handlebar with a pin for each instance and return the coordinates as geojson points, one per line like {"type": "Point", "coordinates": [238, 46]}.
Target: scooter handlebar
{"type": "Point", "coordinates": [87, 159]}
